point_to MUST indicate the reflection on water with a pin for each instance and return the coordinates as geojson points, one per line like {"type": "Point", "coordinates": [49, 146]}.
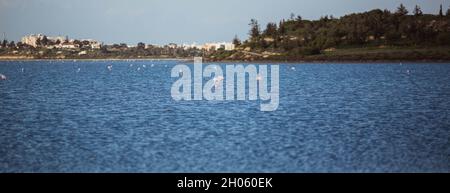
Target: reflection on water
{"type": "Point", "coordinates": [62, 116]}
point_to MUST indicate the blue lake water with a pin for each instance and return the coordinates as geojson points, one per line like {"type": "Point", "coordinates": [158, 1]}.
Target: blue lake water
{"type": "Point", "coordinates": [331, 118]}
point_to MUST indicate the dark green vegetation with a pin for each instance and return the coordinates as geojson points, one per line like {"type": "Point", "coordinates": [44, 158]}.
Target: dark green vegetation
{"type": "Point", "coordinates": [373, 35]}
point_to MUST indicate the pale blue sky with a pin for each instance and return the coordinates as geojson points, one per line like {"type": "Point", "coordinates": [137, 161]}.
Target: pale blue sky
{"type": "Point", "coordinates": [165, 21]}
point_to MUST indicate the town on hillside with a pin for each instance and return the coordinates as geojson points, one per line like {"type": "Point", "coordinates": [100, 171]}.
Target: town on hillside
{"type": "Point", "coordinates": [39, 46]}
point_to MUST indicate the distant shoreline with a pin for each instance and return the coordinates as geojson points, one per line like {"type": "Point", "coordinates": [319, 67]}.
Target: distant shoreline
{"type": "Point", "coordinates": [86, 59]}
{"type": "Point", "coordinates": [209, 60]}
{"type": "Point", "coordinates": [233, 61]}
{"type": "Point", "coordinates": [330, 61]}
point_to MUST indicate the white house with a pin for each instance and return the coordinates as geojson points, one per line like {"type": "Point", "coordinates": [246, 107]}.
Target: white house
{"type": "Point", "coordinates": [31, 39]}
{"type": "Point", "coordinates": [218, 45]}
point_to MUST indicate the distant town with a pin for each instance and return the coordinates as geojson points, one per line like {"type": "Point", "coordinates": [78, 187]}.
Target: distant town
{"type": "Point", "coordinates": [40, 46]}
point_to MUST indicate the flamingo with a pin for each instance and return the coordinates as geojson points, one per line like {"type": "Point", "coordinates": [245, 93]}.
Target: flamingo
{"type": "Point", "coordinates": [2, 77]}
{"type": "Point", "coordinates": [217, 81]}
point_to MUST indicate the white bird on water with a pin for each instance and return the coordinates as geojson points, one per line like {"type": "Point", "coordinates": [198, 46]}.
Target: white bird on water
{"type": "Point", "coordinates": [139, 68]}
{"type": "Point", "coordinates": [143, 66]}
{"type": "Point", "coordinates": [2, 77]}
{"type": "Point", "coordinates": [293, 68]}
{"type": "Point", "coordinates": [218, 81]}
{"type": "Point", "coordinates": [259, 77]}
{"type": "Point", "coordinates": [152, 65]}
{"type": "Point", "coordinates": [78, 70]}
{"type": "Point", "coordinates": [109, 67]}
{"type": "Point", "coordinates": [23, 69]}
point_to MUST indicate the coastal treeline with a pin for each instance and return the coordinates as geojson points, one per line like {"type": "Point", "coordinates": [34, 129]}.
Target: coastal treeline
{"type": "Point", "coordinates": [296, 37]}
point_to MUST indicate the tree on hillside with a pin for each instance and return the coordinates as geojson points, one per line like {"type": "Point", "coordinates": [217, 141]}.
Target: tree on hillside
{"type": "Point", "coordinates": [12, 44]}
{"type": "Point", "coordinates": [282, 28]}
{"type": "Point", "coordinates": [44, 41]}
{"type": "Point", "coordinates": [103, 49]}
{"type": "Point", "coordinates": [78, 43]}
{"type": "Point", "coordinates": [271, 29]}
{"type": "Point", "coordinates": [140, 46]}
{"type": "Point", "coordinates": [4, 43]}
{"type": "Point", "coordinates": [236, 41]}
{"type": "Point", "coordinates": [401, 10]}
{"type": "Point", "coordinates": [448, 12]}
{"type": "Point", "coordinates": [417, 11]}
{"type": "Point", "coordinates": [254, 29]}
{"type": "Point", "coordinates": [440, 11]}
{"type": "Point", "coordinates": [20, 45]}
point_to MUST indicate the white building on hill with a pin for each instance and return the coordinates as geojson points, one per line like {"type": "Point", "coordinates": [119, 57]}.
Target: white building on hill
{"type": "Point", "coordinates": [32, 39]}
{"type": "Point", "coordinates": [218, 45]}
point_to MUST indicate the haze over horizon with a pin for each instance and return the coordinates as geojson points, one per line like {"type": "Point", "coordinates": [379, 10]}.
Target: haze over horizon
{"type": "Point", "coordinates": [167, 21]}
